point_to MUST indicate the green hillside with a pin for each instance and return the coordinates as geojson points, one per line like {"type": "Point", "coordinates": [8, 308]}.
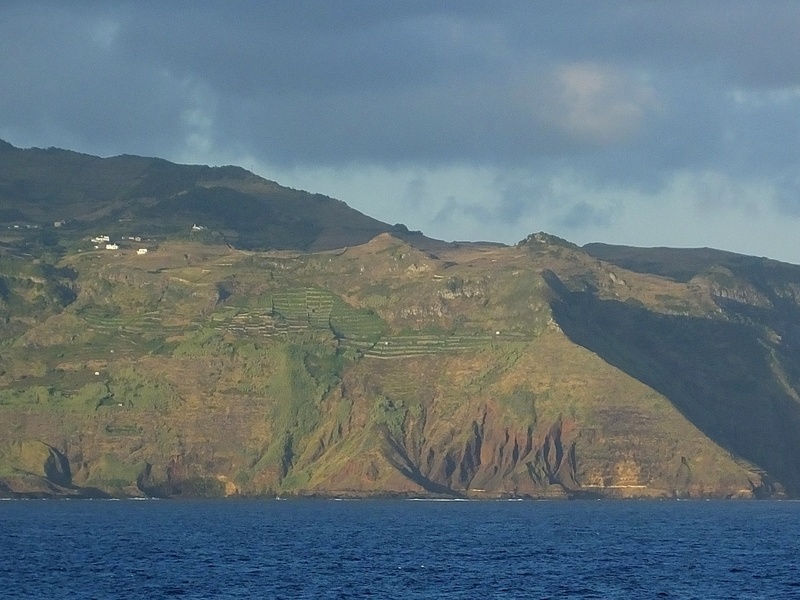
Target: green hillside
{"type": "Point", "coordinates": [212, 365]}
{"type": "Point", "coordinates": [150, 198]}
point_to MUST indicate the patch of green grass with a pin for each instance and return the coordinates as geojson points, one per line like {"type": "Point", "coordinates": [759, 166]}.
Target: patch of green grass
{"type": "Point", "coordinates": [33, 395]}
{"type": "Point", "coordinates": [520, 404]}
{"type": "Point", "coordinates": [296, 480]}
{"type": "Point", "coordinates": [109, 471]}
{"type": "Point", "coordinates": [299, 379]}
{"type": "Point", "coordinates": [90, 396]}
{"type": "Point", "coordinates": [356, 323]}
{"type": "Point", "coordinates": [133, 389]}
{"type": "Point", "coordinates": [123, 430]}
{"type": "Point", "coordinates": [392, 414]}
{"type": "Point", "coordinates": [671, 303]}
{"type": "Point", "coordinates": [205, 342]}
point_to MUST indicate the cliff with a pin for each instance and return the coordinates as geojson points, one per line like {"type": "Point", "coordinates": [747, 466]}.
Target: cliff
{"type": "Point", "coordinates": [399, 366]}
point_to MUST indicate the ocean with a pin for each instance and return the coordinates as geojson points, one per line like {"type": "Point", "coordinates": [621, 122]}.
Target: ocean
{"type": "Point", "coordinates": [399, 549]}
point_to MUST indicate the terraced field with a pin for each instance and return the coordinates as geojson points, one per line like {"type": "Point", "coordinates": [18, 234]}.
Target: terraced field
{"type": "Point", "coordinates": [149, 322]}
{"type": "Point", "coordinates": [259, 322]}
{"type": "Point", "coordinates": [408, 345]}
{"type": "Point", "coordinates": [311, 309]}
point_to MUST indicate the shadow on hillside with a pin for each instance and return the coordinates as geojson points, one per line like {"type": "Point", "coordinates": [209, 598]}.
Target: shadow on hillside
{"type": "Point", "coordinates": [717, 373]}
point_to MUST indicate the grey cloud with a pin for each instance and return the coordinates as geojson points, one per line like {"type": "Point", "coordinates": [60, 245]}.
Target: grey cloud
{"type": "Point", "coordinates": [519, 197]}
{"type": "Point", "coordinates": [624, 93]}
{"type": "Point", "coordinates": [583, 214]}
{"type": "Point", "coordinates": [787, 195]}
{"type": "Point", "coordinates": [416, 192]}
{"type": "Point", "coordinates": [455, 210]}
{"type": "Point", "coordinates": [525, 200]}
{"type": "Point", "coordinates": [62, 82]}
{"type": "Point", "coordinates": [749, 43]}
{"type": "Point", "coordinates": [520, 206]}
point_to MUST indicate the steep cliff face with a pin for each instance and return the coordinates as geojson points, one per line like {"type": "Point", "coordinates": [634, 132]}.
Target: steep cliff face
{"type": "Point", "coordinates": [475, 371]}
{"type": "Point", "coordinates": [33, 469]}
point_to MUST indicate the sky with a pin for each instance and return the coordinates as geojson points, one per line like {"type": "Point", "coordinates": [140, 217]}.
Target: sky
{"type": "Point", "coordinates": [673, 123]}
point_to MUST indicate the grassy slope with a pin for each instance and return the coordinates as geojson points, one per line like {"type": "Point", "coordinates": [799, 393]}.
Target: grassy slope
{"type": "Point", "coordinates": [197, 369]}
{"type": "Point", "coordinates": [402, 365]}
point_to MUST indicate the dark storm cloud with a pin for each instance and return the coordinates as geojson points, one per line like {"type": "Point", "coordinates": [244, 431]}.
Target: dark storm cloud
{"type": "Point", "coordinates": [624, 93]}
{"type": "Point", "coordinates": [64, 81]}
{"type": "Point", "coordinates": [584, 214]}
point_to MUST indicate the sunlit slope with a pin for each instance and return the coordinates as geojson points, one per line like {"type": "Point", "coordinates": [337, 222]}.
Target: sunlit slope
{"type": "Point", "coordinates": [477, 370]}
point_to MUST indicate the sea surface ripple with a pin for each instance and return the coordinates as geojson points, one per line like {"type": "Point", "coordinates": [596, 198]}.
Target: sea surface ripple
{"type": "Point", "coordinates": [399, 549]}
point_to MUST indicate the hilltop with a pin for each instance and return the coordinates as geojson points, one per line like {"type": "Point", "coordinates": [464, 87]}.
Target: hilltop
{"type": "Point", "coordinates": [360, 359]}
{"type": "Point", "coordinates": [126, 195]}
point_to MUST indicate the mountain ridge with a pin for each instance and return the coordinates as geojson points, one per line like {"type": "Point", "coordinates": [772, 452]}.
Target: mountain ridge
{"type": "Point", "coordinates": [88, 192]}
{"type": "Point", "coordinates": [226, 362]}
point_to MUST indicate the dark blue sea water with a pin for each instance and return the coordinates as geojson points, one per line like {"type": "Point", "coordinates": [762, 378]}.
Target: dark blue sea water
{"type": "Point", "coordinates": [399, 549]}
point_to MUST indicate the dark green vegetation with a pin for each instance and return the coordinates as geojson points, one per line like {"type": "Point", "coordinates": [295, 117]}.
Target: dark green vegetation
{"type": "Point", "coordinates": [153, 199]}
{"type": "Point", "coordinates": [294, 346]}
